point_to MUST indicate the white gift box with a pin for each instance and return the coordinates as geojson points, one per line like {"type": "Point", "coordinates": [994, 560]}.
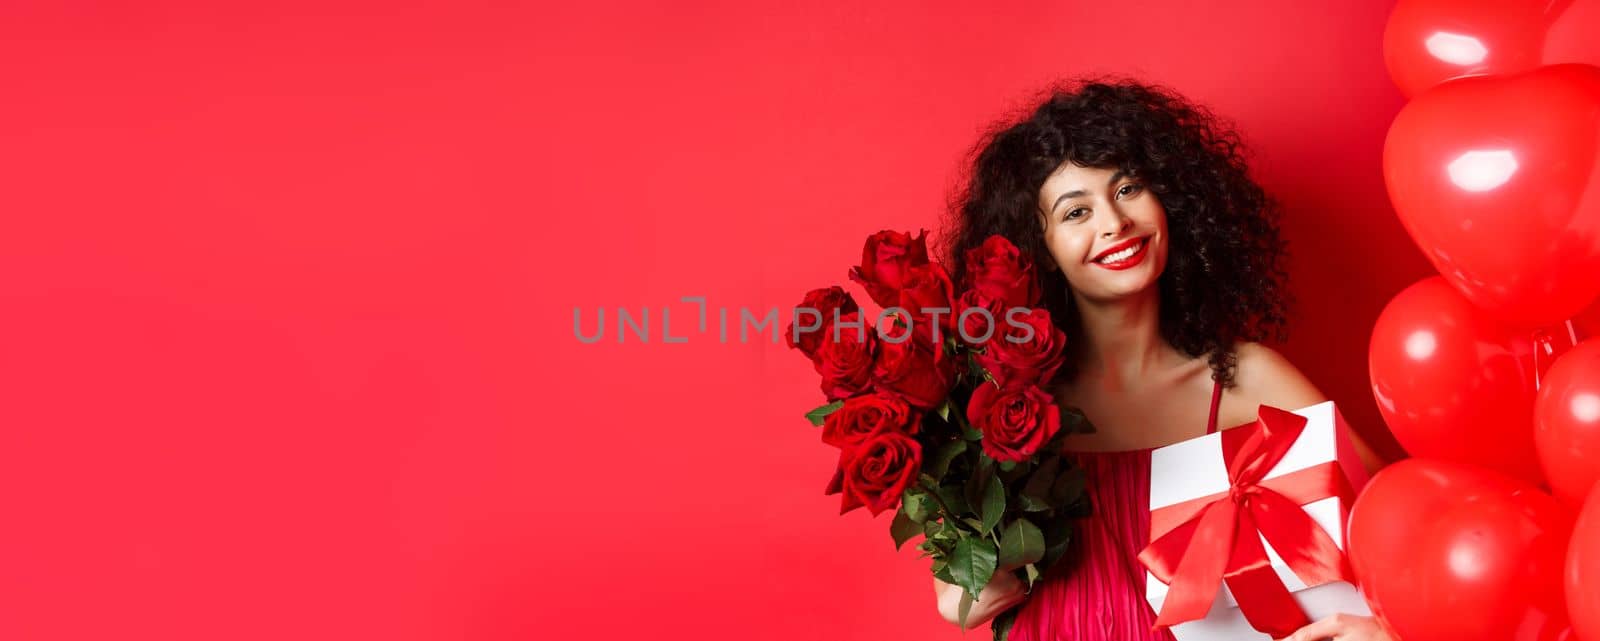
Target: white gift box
{"type": "Point", "coordinates": [1195, 468]}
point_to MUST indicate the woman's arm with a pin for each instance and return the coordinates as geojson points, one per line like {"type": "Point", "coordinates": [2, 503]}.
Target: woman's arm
{"type": "Point", "coordinates": [1002, 593]}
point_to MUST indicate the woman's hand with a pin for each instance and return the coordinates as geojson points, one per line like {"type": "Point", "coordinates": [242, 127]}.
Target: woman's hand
{"type": "Point", "coordinates": [1003, 592]}
{"type": "Point", "coordinates": [1342, 627]}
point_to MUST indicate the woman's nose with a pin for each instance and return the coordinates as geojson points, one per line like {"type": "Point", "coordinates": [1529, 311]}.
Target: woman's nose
{"type": "Point", "coordinates": [1115, 224]}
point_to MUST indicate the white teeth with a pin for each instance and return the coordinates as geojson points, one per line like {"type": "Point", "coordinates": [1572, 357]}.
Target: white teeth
{"type": "Point", "coordinates": [1121, 255]}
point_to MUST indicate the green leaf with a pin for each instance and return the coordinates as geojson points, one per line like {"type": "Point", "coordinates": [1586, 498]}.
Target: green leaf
{"type": "Point", "coordinates": [943, 574]}
{"type": "Point", "coordinates": [915, 505]}
{"type": "Point", "coordinates": [902, 528]}
{"type": "Point", "coordinates": [966, 608]}
{"type": "Point", "coordinates": [1015, 473]}
{"type": "Point", "coordinates": [961, 417]}
{"type": "Point", "coordinates": [1075, 422]}
{"type": "Point", "coordinates": [1036, 492]}
{"type": "Point", "coordinates": [819, 416]}
{"type": "Point", "coordinates": [1001, 624]}
{"type": "Point", "coordinates": [1007, 466]}
{"type": "Point", "coordinates": [1021, 544]}
{"type": "Point", "coordinates": [1068, 487]}
{"type": "Point", "coordinates": [939, 465]}
{"type": "Point", "coordinates": [981, 371]}
{"type": "Point", "coordinates": [1033, 573]}
{"type": "Point", "coordinates": [1054, 553]}
{"type": "Point", "coordinates": [953, 498]}
{"type": "Point", "coordinates": [994, 503]}
{"type": "Point", "coordinates": [972, 563]}
{"type": "Point", "coordinates": [968, 432]}
{"type": "Point", "coordinates": [978, 482]}
{"type": "Point", "coordinates": [1030, 504]}
{"type": "Point", "coordinates": [944, 410]}
{"type": "Point", "coordinates": [1080, 508]}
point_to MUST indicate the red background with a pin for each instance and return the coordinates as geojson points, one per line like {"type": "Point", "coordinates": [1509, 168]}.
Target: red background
{"type": "Point", "coordinates": [288, 348]}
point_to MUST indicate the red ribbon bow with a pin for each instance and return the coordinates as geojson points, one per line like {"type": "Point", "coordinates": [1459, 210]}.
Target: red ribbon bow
{"type": "Point", "coordinates": [1198, 544]}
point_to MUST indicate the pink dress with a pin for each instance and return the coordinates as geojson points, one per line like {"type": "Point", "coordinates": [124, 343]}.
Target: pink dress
{"type": "Point", "coordinates": [1096, 591]}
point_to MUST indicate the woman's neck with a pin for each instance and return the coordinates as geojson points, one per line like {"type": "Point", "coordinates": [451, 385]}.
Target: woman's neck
{"type": "Point", "coordinates": [1122, 340]}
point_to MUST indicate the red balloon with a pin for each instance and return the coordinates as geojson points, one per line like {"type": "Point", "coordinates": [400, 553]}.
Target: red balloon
{"type": "Point", "coordinates": [1454, 552]}
{"type": "Point", "coordinates": [1497, 179]}
{"type": "Point", "coordinates": [1566, 415]}
{"type": "Point", "coordinates": [1453, 384]}
{"type": "Point", "coordinates": [1396, 508]}
{"type": "Point", "coordinates": [1587, 322]}
{"type": "Point", "coordinates": [1570, 37]}
{"type": "Point", "coordinates": [1583, 571]}
{"type": "Point", "coordinates": [1427, 42]}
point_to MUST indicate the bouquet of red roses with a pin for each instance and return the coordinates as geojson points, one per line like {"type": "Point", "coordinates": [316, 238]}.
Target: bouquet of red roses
{"type": "Point", "coordinates": [938, 412]}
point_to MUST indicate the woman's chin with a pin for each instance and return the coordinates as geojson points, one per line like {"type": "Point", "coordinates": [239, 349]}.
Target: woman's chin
{"type": "Point", "coordinates": [1112, 295]}
{"type": "Point", "coordinates": [1132, 283]}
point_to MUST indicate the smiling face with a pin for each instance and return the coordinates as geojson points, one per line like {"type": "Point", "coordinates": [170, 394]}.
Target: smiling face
{"type": "Point", "coordinates": [1106, 231]}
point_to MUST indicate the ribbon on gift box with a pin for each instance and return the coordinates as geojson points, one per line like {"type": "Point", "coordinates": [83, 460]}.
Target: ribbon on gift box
{"type": "Point", "coordinates": [1198, 544]}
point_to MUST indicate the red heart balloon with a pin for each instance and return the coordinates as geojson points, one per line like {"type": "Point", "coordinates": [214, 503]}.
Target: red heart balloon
{"type": "Point", "coordinates": [1491, 569]}
{"type": "Point", "coordinates": [1394, 511]}
{"type": "Point", "coordinates": [1570, 37]}
{"type": "Point", "coordinates": [1496, 178]}
{"type": "Point", "coordinates": [1453, 384]}
{"type": "Point", "coordinates": [1587, 322]}
{"type": "Point", "coordinates": [1450, 552]}
{"type": "Point", "coordinates": [1427, 42]}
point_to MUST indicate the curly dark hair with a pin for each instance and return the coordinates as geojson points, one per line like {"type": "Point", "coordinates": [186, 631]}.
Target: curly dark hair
{"type": "Point", "coordinates": [1224, 281]}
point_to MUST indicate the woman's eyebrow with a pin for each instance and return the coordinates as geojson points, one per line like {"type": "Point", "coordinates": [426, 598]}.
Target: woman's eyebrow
{"type": "Point", "coordinates": [1079, 192]}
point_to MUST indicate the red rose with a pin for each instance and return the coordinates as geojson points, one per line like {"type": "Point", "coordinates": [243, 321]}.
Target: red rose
{"type": "Point", "coordinates": [819, 305]}
{"type": "Point", "coordinates": [914, 371]}
{"type": "Point", "coordinates": [845, 358]}
{"type": "Point", "coordinates": [1001, 271]}
{"type": "Point", "coordinates": [885, 260]}
{"type": "Point", "coordinates": [877, 472]}
{"type": "Point", "coordinates": [977, 328]}
{"type": "Point", "coordinates": [862, 417]}
{"type": "Point", "coordinates": [1015, 420]}
{"type": "Point", "coordinates": [1026, 348]}
{"type": "Point", "coordinates": [927, 287]}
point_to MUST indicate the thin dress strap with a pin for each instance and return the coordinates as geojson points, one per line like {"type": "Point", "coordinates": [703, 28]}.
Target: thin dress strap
{"type": "Point", "coordinates": [1216, 402]}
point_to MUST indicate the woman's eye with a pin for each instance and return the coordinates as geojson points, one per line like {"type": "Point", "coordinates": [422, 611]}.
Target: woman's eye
{"type": "Point", "coordinates": [1076, 214]}
{"type": "Point", "coordinates": [1128, 189]}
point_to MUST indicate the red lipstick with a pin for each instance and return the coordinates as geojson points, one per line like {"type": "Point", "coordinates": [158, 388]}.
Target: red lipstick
{"type": "Point", "coordinates": [1139, 246]}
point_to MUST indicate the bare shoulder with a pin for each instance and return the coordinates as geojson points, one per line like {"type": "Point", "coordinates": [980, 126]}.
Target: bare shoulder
{"type": "Point", "coordinates": [1264, 376]}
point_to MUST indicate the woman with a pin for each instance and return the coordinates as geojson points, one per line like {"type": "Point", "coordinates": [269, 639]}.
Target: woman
{"type": "Point", "coordinates": [1161, 260]}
